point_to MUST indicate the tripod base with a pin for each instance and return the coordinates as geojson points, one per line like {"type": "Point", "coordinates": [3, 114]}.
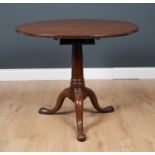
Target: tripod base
{"type": "Point", "coordinates": [77, 96]}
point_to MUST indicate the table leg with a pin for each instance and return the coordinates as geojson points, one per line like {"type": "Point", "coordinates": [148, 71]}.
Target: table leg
{"type": "Point", "coordinates": [79, 115]}
{"type": "Point", "coordinates": [94, 102]}
{"type": "Point", "coordinates": [65, 93]}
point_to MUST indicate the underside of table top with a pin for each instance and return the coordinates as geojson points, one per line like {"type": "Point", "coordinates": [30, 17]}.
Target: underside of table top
{"type": "Point", "coordinates": [77, 29]}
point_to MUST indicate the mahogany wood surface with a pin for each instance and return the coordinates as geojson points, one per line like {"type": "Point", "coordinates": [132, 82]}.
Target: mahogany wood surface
{"type": "Point", "coordinates": [78, 28]}
{"type": "Point", "coordinates": [77, 33]}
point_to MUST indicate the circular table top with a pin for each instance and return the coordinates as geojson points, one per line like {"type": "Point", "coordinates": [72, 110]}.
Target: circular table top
{"type": "Point", "coordinates": [77, 29]}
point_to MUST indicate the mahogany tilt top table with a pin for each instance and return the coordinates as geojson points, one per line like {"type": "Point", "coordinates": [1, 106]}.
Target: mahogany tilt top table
{"type": "Point", "coordinates": [77, 33]}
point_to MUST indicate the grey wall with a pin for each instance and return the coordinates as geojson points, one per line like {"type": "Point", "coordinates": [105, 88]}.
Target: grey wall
{"type": "Point", "coordinates": [19, 51]}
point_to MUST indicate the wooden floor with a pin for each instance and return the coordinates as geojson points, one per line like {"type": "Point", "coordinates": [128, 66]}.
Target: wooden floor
{"type": "Point", "coordinates": [130, 128]}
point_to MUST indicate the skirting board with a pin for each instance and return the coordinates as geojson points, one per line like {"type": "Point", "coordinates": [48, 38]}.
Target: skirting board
{"type": "Point", "coordinates": [65, 73]}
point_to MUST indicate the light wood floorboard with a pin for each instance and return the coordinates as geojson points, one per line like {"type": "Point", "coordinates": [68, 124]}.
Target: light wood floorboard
{"type": "Point", "coordinates": [130, 128]}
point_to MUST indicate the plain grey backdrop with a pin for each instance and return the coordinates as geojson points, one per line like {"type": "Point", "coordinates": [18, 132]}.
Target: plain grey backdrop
{"type": "Point", "coordinates": [19, 51]}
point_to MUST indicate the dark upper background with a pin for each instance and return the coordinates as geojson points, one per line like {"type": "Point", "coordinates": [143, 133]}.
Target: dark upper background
{"type": "Point", "coordinates": [19, 51]}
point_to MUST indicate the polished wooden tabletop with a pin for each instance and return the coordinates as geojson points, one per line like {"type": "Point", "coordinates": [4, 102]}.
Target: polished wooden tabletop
{"type": "Point", "coordinates": [77, 29]}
